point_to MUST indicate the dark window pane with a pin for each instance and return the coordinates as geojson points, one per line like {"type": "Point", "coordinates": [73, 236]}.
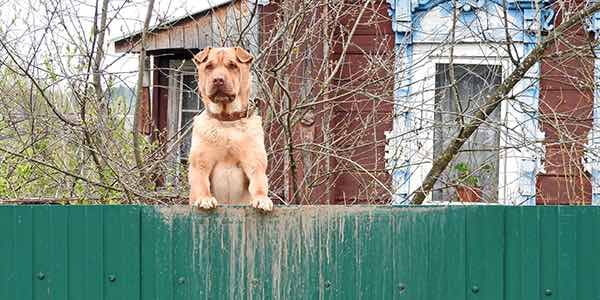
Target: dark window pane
{"type": "Point", "coordinates": [190, 99]}
{"type": "Point", "coordinates": [186, 123]}
{"type": "Point", "coordinates": [186, 119]}
{"type": "Point", "coordinates": [480, 153]}
{"type": "Point", "coordinates": [184, 150]}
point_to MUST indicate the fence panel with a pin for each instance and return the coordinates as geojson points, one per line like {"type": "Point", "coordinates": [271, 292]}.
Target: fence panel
{"type": "Point", "coordinates": [304, 252]}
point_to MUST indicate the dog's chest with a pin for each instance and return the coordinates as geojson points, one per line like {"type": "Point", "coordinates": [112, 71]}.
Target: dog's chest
{"type": "Point", "coordinates": [228, 182]}
{"type": "Point", "coordinates": [229, 135]}
{"type": "Point", "coordinates": [224, 136]}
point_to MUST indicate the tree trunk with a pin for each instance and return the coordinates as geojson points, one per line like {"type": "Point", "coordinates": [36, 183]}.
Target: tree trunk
{"type": "Point", "coordinates": [140, 80]}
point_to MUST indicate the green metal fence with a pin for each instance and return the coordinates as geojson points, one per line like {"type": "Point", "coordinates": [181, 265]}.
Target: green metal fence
{"type": "Point", "coordinates": [311, 252]}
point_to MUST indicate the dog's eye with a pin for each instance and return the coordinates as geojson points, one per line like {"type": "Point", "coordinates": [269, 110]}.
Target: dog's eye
{"type": "Point", "coordinates": [231, 65]}
{"type": "Point", "coordinates": [209, 66]}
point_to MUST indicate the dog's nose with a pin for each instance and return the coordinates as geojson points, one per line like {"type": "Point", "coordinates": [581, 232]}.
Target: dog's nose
{"type": "Point", "coordinates": [218, 81]}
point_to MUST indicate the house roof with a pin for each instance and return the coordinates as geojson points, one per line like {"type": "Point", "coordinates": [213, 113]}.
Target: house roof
{"type": "Point", "coordinates": [200, 11]}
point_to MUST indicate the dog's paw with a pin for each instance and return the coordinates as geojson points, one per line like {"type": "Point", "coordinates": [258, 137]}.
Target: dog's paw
{"type": "Point", "coordinates": [205, 202]}
{"type": "Point", "coordinates": [263, 203]}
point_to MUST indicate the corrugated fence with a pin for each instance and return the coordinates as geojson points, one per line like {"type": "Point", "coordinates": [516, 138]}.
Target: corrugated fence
{"type": "Point", "coordinates": [305, 252]}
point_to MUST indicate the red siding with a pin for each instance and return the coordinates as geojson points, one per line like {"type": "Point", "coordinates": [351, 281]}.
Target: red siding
{"type": "Point", "coordinates": [566, 101]}
{"type": "Point", "coordinates": [160, 97]}
{"type": "Point", "coordinates": [358, 121]}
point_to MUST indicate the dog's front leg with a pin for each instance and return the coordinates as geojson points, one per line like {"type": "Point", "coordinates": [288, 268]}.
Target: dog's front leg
{"type": "Point", "coordinates": [256, 170]}
{"type": "Point", "coordinates": [199, 179]}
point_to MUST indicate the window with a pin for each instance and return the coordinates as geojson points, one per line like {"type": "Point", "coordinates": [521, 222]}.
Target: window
{"type": "Point", "coordinates": [480, 154]}
{"type": "Point", "coordinates": [184, 104]}
{"type": "Point", "coordinates": [190, 106]}
{"type": "Point", "coordinates": [423, 101]}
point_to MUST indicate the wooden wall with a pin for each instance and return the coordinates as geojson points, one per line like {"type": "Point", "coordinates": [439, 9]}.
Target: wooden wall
{"type": "Point", "coordinates": [345, 116]}
{"type": "Point", "coordinates": [216, 27]}
{"type": "Point", "coordinates": [566, 109]}
{"type": "Point", "coordinates": [373, 35]}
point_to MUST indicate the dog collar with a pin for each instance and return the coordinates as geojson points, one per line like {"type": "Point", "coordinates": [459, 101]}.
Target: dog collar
{"type": "Point", "coordinates": [229, 117]}
{"type": "Point", "coordinates": [235, 116]}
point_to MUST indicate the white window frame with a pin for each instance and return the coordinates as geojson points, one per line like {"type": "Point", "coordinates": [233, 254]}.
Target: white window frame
{"type": "Point", "coordinates": [410, 160]}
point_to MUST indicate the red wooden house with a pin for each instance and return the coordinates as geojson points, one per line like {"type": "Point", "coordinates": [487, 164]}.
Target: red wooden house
{"type": "Point", "coordinates": [391, 32]}
{"type": "Point", "coordinates": [172, 101]}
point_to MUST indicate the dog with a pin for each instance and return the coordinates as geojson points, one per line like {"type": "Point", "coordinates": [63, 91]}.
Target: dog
{"type": "Point", "coordinates": [227, 160]}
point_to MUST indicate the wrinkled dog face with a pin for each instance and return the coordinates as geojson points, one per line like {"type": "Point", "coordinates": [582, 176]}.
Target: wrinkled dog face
{"type": "Point", "coordinates": [223, 74]}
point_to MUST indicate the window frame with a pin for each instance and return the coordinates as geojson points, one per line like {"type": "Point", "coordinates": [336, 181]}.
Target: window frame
{"type": "Point", "coordinates": [409, 151]}
{"type": "Point", "coordinates": [424, 101]}
{"type": "Point", "coordinates": [177, 69]}
{"type": "Point", "coordinates": [182, 129]}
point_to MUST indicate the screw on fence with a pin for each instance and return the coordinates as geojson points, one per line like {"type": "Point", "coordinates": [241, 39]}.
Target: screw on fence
{"type": "Point", "coordinates": [475, 289]}
{"type": "Point", "coordinates": [548, 292]}
{"type": "Point", "coordinates": [112, 278]}
{"type": "Point", "coordinates": [402, 288]}
{"type": "Point", "coordinates": [327, 284]}
{"type": "Point", "coordinates": [181, 280]}
{"type": "Point", "coordinates": [41, 276]}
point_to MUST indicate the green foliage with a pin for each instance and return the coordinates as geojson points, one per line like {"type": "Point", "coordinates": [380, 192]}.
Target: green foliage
{"type": "Point", "coordinates": [467, 177]}
{"type": "Point", "coordinates": [50, 69]}
{"type": "Point", "coordinates": [43, 157]}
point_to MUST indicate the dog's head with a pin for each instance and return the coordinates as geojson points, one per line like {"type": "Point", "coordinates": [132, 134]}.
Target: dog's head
{"type": "Point", "coordinates": [224, 76]}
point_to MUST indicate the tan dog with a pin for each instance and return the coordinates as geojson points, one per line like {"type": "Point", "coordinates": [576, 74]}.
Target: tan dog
{"type": "Point", "coordinates": [228, 161]}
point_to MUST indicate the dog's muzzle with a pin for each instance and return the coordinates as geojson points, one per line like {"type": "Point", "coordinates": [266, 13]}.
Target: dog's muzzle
{"type": "Point", "coordinates": [222, 98]}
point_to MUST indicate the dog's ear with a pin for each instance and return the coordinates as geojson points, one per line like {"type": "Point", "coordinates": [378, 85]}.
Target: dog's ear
{"type": "Point", "coordinates": [243, 56]}
{"type": "Point", "coordinates": [202, 56]}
